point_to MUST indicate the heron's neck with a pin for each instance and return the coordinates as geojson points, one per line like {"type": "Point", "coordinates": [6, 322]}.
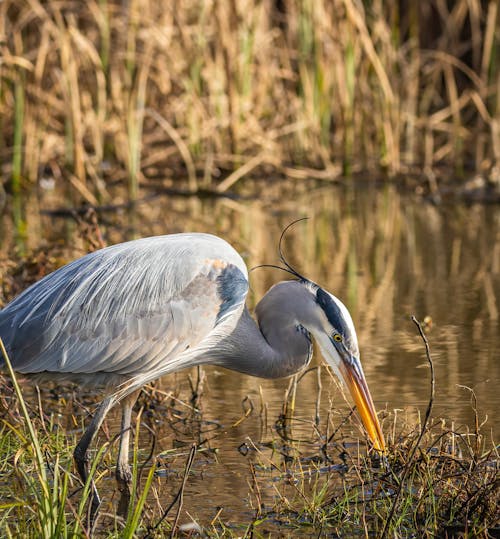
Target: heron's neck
{"type": "Point", "coordinates": [278, 346]}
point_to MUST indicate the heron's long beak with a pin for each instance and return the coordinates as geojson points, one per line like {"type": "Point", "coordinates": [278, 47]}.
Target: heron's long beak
{"type": "Point", "coordinates": [355, 381]}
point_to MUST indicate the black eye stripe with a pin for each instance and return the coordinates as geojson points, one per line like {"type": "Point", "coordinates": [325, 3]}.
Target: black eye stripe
{"type": "Point", "coordinates": [332, 311]}
{"type": "Point", "coordinates": [340, 325]}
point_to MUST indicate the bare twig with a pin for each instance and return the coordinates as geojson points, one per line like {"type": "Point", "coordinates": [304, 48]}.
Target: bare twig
{"type": "Point", "coordinates": [178, 497]}
{"type": "Point", "coordinates": [422, 431]}
{"type": "Point", "coordinates": [341, 424]}
{"type": "Point", "coordinates": [476, 419]}
{"type": "Point", "coordinates": [180, 494]}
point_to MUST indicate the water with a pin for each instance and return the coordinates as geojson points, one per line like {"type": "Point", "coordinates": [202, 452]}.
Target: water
{"type": "Point", "coordinates": [387, 256]}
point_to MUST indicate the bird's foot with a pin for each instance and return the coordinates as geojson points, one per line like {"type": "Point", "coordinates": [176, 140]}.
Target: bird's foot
{"type": "Point", "coordinates": [94, 508]}
{"type": "Point", "coordinates": [124, 479]}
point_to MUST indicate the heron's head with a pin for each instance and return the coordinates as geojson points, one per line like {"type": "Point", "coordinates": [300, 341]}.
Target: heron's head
{"type": "Point", "coordinates": [333, 329]}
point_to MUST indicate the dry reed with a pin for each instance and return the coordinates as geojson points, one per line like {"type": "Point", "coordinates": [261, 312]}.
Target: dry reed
{"type": "Point", "coordinates": [106, 90]}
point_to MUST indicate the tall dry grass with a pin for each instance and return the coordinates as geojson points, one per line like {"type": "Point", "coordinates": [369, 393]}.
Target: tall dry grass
{"type": "Point", "coordinates": [108, 91]}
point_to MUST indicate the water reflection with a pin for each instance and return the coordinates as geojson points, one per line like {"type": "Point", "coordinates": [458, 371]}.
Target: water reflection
{"type": "Point", "coordinates": [387, 256]}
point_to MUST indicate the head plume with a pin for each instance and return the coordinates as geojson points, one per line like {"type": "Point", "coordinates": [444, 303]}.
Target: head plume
{"type": "Point", "coordinates": [287, 267]}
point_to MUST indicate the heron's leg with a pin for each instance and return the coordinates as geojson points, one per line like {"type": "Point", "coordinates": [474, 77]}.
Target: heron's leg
{"type": "Point", "coordinates": [123, 473]}
{"type": "Point", "coordinates": [81, 450]}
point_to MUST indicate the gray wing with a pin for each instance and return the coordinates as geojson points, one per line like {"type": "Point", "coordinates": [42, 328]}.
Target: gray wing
{"type": "Point", "coordinates": [126, 309]}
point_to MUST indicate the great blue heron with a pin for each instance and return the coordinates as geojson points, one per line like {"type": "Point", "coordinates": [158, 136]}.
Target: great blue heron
{"type": "Point", "coordinates": [125, 315]}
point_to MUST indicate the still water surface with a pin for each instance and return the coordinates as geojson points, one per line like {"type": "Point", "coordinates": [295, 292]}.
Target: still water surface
{"type": "Point", "coordinates": [387, 256]}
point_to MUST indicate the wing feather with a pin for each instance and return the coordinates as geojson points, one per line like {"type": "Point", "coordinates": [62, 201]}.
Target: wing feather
{"type": "Point", "coordinates": [127, 308]}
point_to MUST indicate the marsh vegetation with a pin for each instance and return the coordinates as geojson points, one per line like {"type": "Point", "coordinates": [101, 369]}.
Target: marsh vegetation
{"type": "Point", "coordinates": [201, 94]}
{"type": "Point", "coordinates": [305, 477]}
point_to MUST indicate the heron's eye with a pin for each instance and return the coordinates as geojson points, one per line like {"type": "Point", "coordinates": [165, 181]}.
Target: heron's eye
{"type": "Point", "coordinates": [337, 337]}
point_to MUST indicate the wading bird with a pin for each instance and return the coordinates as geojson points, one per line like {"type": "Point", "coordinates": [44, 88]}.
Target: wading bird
{"type": "Point", "coordinates": [125, 315]}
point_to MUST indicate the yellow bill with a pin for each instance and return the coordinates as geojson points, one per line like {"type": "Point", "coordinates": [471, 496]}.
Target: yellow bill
{"type": "Point", "coordinates": [362, 398]}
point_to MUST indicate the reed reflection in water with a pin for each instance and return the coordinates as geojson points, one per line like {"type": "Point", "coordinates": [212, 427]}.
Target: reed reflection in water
{"type": "Point", "coordinates": [386, 256]}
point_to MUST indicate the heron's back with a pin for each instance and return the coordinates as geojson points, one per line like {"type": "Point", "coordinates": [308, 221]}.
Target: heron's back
{"type": "Point", "coordinates": [125, 309]}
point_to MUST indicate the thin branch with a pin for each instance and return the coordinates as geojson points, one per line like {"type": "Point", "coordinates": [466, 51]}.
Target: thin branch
{"type": "Point", "coordinates": [179, 497]}
{"type": "Point", "coordinates": [422, 431]}
{"type": "Point", "coordinates": [180, 494]}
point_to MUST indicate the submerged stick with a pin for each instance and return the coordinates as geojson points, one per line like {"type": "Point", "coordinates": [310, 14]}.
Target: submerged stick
{"type": "Point", "coordinates": [422, 430]}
